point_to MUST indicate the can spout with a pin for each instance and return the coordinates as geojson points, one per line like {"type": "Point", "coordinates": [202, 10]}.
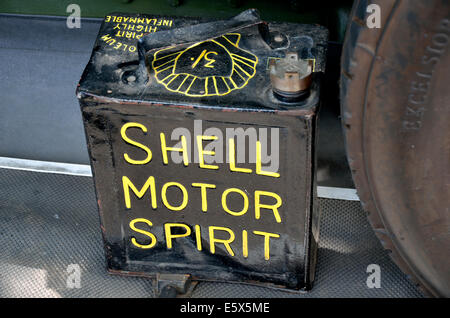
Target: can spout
{"type": "Point", "coordinates": [290, 77]}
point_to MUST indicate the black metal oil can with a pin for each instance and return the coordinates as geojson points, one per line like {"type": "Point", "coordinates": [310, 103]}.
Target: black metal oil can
{"type": "Point", "coordinates": [203, 155]}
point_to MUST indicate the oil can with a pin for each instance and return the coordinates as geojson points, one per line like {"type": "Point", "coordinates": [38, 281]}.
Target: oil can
{"type": "Point", "coordinates": [201, 137]}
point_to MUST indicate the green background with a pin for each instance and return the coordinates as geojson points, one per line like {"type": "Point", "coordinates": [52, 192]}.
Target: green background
{"type": "Point", "coordinates": [332, 15]}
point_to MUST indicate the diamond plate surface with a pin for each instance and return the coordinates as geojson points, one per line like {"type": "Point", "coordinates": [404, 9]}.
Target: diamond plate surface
{"type": "Point", "coordinates": [49, 221]}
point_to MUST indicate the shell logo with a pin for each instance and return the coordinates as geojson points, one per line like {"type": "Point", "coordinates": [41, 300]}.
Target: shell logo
{"type": "Point", "coordinates": [214, 67]}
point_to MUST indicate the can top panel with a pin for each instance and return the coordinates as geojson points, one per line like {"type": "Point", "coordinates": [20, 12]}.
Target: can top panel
{"type": "Point", "coordinates": [197, 63]}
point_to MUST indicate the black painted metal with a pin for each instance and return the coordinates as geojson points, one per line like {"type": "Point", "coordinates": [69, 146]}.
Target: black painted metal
{"type": "Point", "coordinates": [118, 88]}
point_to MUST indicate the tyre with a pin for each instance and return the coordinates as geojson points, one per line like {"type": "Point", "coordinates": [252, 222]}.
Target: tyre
{"type": "Point", "coordinates": [395, 108]}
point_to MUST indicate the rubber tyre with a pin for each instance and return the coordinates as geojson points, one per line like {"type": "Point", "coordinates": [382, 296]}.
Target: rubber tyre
{"type": "Point", "coordinates": [395, 108]}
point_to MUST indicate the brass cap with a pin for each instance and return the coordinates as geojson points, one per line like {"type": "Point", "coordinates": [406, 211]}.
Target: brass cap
{"type": "Point", "coordinates": [290, 76]}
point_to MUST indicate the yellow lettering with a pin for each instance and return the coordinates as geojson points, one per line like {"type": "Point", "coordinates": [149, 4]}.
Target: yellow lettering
{"type": "Point", "coordinates": [203, 187]}
{"type": "Point", "coordinates": [244, 243]}
{"type": "Point", "coordinates": [123, 131]}
{"type": "Point", "coordinates": [183, 149]}
{"type": "Point", "coordinates": [150, 235]}
{"type": "Point", "coordinates": [198, 237]}
{"type": "Point", "coordinates": [224, 202]}
{"type": "Point", "coordinates": [259, 163]}
{"type": "Point", "coordinates": [273, 207]}
{"type": "Point", "coordinates": [106, 38]}
{"type": "Point", "coordinates": [232, 155]}
{"type": "Point", "coordinates": [267, 237]}
{"type": "Point", "coordinates": [202, 152]}
{"type": "Point", "coordinates": [164, 197]}
{"type": "Point", "coordinates": [210, 60]}
{"type": "Point", "coordinates": [127, 185]}
{"type": "Point", "coordinates": [226, 243]}
{"type": "Point", "coordinates": [170, 236]}
{"type": "Point", "coordinates": [198, 59]}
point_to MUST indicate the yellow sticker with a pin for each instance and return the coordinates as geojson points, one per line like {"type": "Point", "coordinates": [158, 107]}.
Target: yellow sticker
{"type": "Point", "coordinates": [207, 68]}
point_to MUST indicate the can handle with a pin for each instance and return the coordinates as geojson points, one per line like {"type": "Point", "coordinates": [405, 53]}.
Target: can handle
{"type": "Point", "coordinates": [196, 33]}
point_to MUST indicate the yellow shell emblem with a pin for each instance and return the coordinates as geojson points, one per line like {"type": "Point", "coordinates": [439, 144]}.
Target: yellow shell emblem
{"type": "Point", "coordinates": [208, 68]}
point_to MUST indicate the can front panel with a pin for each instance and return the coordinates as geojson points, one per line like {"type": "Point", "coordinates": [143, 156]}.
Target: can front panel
{"type": "Point", "coordinates": [218, 195]}
{"type": "Point", "coordinates": [202, 139]}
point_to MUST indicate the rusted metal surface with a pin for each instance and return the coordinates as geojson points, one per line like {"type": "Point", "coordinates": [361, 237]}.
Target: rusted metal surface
{"type": "Point", "coordinates": [173, 285]}
{"type": "Point", "coordinates": [133, 100]}
{"type": "Point", "coordinates": [395, 109]}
